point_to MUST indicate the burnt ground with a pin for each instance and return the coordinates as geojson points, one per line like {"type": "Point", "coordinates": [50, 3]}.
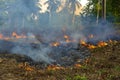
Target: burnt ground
{"type": "Point", "coordinates": [103, 64]}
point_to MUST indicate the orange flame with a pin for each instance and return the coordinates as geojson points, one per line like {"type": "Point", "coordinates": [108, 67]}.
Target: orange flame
{"type": "Point", "coordinates": [83, 43]}
{"type": "Point", "coordinates": [91, 36]}
{"type": "Point", "coordinates": [54, 67]}
{"type": "Point", "coordinates": [91, 46]}
{"type": "Point", "coordinates": [1, 36]}
{"type": "Point", "coordinates": [67, 38]}
{"type": "Point", "coordinates": [102, 44]}
{"type": "Point", "coordinates": [26, 66]}
{"type": "Point", "coordinates": [55, 44]}
{"type": "Point", "coordinates": [78, 65]}
{"type": "Point", "coordinates": [14, 34]}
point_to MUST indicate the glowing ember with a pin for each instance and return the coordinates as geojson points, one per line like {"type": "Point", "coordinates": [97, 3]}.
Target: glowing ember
{"type": "Point", "coordinates": [67, 38]}
{"type": "Point", "coordinates": [14, 34]}
{"type": "Point", "coordinates": [54, 67]}
{"type": "Point", "coordinates": [26, 66]}
{"type": "Point", "coordinates": [55, 44]}
{"type": "Point", "coordinates": [6, 38]}
{"type": "Point", "coordinates": [91, 36]}
{"type": "Point", "coordinates": [83, 43]}
{"type": "Point", "coordinates": [91, 46]}
{"type": "Point", "coordinates": [101, 44]}
{"type": "Point", "coordinates": [78, 65]}
{"type": "Point", "coordinates": [1, 36]}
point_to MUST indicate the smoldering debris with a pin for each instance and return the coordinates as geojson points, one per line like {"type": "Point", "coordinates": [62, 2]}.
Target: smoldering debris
{"type": "Point", "coordinates": [64, 55]}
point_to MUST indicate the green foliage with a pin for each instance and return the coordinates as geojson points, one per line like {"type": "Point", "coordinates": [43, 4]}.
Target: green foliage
{"type": "Point", "coordinates": [98, 5]}
{"type": "Point", "coordinates": [77, 77]}
{"type": "Point", "coordinates": [53, 5]}
{"type": "Point", "coordinates": [68, 78]}
{"type": "Point", "coordinates": [117, 68]}
{"type": "Point", "coordinates": [112, 9]}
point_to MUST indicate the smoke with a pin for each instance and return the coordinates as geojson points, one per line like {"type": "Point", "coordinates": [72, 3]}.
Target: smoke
{"type": "Point", "coordinates": [102, 31]}
{"type": "Point", "coordinates": [36, 51]}
{"type": "Point", "coordinates": [37, 55]}
{"type": "Point", "coordinates": [24, 17]}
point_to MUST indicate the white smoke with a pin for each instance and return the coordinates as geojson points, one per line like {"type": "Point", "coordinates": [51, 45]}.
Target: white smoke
{"type": "Point", "coordinates": [38, 55]}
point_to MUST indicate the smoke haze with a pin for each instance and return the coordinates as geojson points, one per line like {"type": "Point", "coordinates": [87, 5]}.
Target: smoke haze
{"type": "Point", "coordinates": [24, 17]}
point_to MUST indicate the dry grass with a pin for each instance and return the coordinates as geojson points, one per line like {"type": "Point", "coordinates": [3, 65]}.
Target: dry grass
{"type": "Point", "coordinates": [103, 64]}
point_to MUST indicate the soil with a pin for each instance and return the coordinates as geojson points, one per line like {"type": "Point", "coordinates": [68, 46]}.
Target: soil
{"type": "Point", "coordinates": [103, 64]}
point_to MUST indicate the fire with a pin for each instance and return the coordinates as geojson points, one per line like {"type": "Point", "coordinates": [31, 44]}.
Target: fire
{"type": "Point", "coordinates": [91, 46]}
{"type": "Point", "coordinates": [101, 44]}
{"type": "Point", "coordinates": [78, 65]}
{"type": "Point", "coordinates": [14, 34]}
{"type": "Point", "coordinates": [6, 38]}
{"type": "Point", "coordinates": [54, 67]}
{"type": "Point", "coordinates": [55, 44]}
{"type": "Point", "coordinates": [91, 36]}
{"type": "Point", "coordinates": [1, 36]}
{"type": "Point", "coordinates": [83, 42]}
{"type": "Point", "coordinates": [26, 66]}
{"type": "Point", "coordinates": [67, 38]}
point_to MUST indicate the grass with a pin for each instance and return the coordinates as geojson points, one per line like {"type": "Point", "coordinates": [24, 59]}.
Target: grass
{"type": "Point", "coordinates": [117, 68]}
{"type": "Point", "coordinates": [77, 77]}
{"type": "Point", "coordinates": [103, 64]}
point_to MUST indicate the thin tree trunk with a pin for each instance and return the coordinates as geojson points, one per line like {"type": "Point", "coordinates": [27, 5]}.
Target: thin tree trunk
{"type": "Point", "coordinates": [98, 11]}
{"type": "Point", "coordinates": [104, 9]}
{"type": "Point", "coordinates": [97, 16]}
{"type": "Point", "coordinates": [73, 18]}
{"type": "Point", "coordinates": [50, 18]}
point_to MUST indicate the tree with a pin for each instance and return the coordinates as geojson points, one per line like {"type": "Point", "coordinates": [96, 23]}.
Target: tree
{"type": "Point", "coordinates": [52, 7]}
{"type": "Point", "coordinates": [73, 4]}
{"type": "Point", "coordinates": [19, 13]}
{"type": "Point", "coordinates": [98, 10]}
{"type": "Point", "coordinates": [112, 9]}
{"type": "Point", "coordinates": [115, 4]}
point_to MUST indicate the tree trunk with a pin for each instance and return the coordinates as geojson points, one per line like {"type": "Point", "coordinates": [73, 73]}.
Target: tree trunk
{"type": "Point", "coordinates": [73, 18]}
{"type": "Point", "coordinates": [98, 11]}
{"type": "Point", "coordinates": [104, 10]}
{"type": "Point", "coordinates": [50, 17]}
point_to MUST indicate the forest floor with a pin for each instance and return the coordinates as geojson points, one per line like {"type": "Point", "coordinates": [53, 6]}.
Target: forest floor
{"type": "Point", "coordinates": [103, 64]}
